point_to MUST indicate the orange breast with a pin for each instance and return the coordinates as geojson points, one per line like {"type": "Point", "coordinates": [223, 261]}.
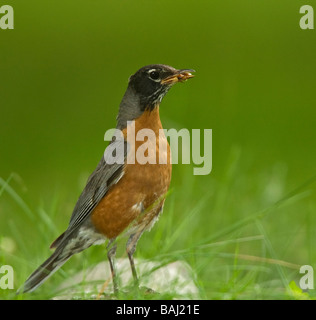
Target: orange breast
{"type": "Point", "coordinates": [142, 185]}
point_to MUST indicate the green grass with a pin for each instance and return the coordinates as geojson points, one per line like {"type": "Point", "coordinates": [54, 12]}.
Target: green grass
{"type": "Point", "coordinates": [240, 239]}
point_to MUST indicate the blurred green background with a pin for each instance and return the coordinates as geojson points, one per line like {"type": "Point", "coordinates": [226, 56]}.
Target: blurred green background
{"type": "Point", "coordinates": [63, 72]}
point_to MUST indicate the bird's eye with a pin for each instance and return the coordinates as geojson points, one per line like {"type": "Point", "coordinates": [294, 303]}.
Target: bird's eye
{"type": "Point", "coordinates": [154, 75]}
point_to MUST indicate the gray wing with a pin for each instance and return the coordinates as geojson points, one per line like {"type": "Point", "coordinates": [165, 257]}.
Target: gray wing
{"type": "Point", "coordinates": [103, 177]}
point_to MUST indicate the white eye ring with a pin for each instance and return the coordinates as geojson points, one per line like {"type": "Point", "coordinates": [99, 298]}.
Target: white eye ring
{"type": "Point", "coordinates": [154, 78]}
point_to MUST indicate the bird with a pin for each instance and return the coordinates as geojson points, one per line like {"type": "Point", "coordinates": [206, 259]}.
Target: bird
{"type": "Point", "coordinates": [121, 197]}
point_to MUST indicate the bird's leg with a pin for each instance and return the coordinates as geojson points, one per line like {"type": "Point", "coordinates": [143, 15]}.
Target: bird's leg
{"type": "Point", "coordinates": [111, 256]}
{"type": "Point", "coordinates": [130, 249]}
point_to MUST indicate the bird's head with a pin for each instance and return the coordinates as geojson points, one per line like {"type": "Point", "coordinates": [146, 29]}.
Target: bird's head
{"type": "Point", "coordinates": [146, 88]}
{"type": "Point", "coordinates": [152, 82]}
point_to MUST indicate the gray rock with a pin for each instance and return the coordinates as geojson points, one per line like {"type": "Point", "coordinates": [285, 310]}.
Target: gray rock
{"type": "Point", "coordinates": [175, 279]}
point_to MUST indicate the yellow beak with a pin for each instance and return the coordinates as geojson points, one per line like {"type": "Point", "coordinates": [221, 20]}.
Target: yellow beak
{"type": "Point", "coordinates": [180, 76]}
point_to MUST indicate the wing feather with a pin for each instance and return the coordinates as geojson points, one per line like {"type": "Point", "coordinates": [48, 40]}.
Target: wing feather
{"type": "Point", "coordinates": [100, 181]}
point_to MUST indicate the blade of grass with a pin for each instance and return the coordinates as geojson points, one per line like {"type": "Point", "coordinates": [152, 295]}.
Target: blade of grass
{"type": "Point", "coordinates": [272, 253]}
{"type": "Point", "coordinates": [253, 217]}
{"type": "Point", "coordinates": [5, 183]}
{"type": "Point", "coordinates": [15, 196]}
{"type": "Point", "coordinates": [176, 233]}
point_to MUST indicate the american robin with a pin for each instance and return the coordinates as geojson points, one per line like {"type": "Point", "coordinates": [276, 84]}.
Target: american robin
{"type": "Point", "coordinates": [121, 196]}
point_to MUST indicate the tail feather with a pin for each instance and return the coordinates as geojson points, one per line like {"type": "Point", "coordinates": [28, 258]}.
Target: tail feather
{"type": "Point", "coordinates": [44, 271]}
{"type": "Point", "coordinates": [66, 246]}
{"type": "Point", "coordinates": [57, 241]}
